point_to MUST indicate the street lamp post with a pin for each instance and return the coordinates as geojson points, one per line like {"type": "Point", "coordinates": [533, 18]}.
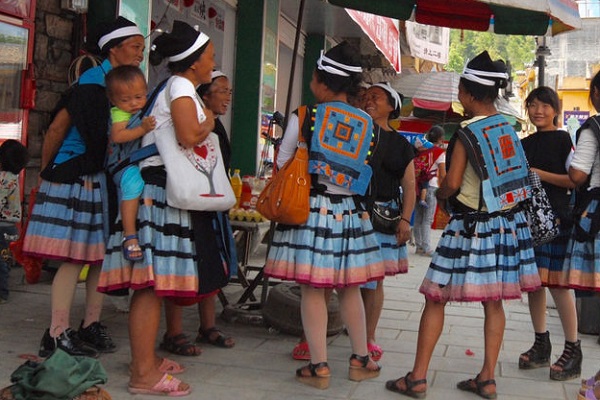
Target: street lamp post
{"type": "Point", "coordinates": [541, 52]}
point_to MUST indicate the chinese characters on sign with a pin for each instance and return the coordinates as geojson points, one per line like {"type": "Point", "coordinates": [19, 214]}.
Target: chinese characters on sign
{"type": "Point", "coordinates": [427, 42]}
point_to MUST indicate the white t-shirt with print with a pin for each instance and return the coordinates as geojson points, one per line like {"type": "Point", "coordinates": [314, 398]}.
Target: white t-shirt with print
{"type": "Point", "coordinates": [179, 87]}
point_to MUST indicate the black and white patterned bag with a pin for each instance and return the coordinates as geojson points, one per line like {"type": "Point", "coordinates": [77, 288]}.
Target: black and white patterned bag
{"type": "Point", "coordinates": [543, 221]}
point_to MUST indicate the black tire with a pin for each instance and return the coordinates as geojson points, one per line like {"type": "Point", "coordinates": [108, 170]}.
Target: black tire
{"type": "Point", "coordinates": [282, 310]}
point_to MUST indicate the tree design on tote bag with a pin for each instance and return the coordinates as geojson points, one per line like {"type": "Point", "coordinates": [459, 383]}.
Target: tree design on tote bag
{"type": "Point", "coordinates": [204, 157]}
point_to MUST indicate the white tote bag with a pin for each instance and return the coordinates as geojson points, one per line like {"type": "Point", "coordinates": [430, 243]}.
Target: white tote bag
{"type": "Point", "coordinates": [196, 177]}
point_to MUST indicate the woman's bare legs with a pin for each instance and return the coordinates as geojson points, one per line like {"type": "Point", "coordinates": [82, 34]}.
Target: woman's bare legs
{"type": "Point", "coordinates": [63, 290]}
{"type": "Point", "coordinates": [373, 302]}
{"type": "Point", "coordinates": [93, 298]}
{"type": "Point", "coordinates": [144, 320]}
{"type": "Point", "coordinates": [430, 329]}
{"type": "Point", "coordinates": [174, 320]}
{"type": "Point", "coordinates": [314, 321]}
{"type": "Point", "coordinates": [493, 329]}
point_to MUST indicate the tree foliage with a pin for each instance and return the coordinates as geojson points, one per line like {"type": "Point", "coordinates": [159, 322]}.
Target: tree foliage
{"type": "Point", "coordinates": [465, 45]}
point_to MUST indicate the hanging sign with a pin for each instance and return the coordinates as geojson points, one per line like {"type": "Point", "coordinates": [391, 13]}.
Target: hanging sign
{"type": "Point", "coordinates": [383, 32]}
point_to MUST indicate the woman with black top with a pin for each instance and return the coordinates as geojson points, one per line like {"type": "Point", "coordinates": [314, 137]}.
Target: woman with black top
{"type": "Point", "coordinates": [391, 158]}
{"type": "Point", "coordinates": [548, 152]}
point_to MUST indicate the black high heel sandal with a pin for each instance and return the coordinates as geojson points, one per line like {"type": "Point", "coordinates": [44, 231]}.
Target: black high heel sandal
{"type": "Point", "coordinates": [539, 354]}
{"type": "Point", "coordinates": [569, 362]}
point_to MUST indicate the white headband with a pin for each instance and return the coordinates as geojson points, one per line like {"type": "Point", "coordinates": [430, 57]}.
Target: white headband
{"type": "Point", "coordinates": [217, 74]}
{"type": "Point", "coordinates": [386, 86]}
{"type": "Point", "coordinates": [341, 68]}
{"type": "Point", "coordinates": [119, 33]}
{"type": "Point", "coordinates": [475, 76]}
{"type": "Point", "coordinates": [201, 40]}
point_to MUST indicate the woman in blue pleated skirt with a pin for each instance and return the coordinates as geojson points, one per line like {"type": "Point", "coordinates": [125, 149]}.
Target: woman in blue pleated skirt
{"type": "Point", "coordinates": [582, 261]}
{"type": "Point", "coordinates": [485, 253]}
{"type": "Point", "coordinates": [336, 248]}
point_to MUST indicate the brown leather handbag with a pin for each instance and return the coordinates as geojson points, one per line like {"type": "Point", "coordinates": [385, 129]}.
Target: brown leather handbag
{"type": "Point", "coordinates": [285, 198]}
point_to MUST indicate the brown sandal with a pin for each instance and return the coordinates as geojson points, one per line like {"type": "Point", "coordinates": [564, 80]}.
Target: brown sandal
{"type": "Point", "coordinates": [310, 376]}
{"type": "Point", "coordinates": [393, 386]}
{"type": "Point", "coordinates": [215, 337]}
{"type": "Point", "coordinates": [476, 386]}
{"type": "Point", "coordinates": [360, 372]}
{"type": "Point", "coordinates": [180, 345]}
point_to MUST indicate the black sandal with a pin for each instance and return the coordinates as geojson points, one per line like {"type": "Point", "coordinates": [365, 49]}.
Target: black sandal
{"type": "Point", "coordinates": [539, 354]}
{"type": "Point", "coordinates": [361, 372]}
{"type": "Point", "coordinates": [180, 345]}
{"type": "Point", "coordinates": [393, 387]}
{"type": "Point", "coordinates": [314, 379]}
{"type": "Point", "coordinates": [569, 362]}
{"type": "Point", "coordinates": [476, 386]}
{"type": "Point", "coordinates": [220, 340]}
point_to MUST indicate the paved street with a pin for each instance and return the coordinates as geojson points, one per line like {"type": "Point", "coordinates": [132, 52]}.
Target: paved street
{"type": "Point", "coordinates": [260, 366]}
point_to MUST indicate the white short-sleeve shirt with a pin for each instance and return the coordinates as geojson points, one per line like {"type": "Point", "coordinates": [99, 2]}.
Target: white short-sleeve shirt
{"type": "Point", "coordinates": [586, 157]}
{"type": "Point", "coordinates": [179, 87]}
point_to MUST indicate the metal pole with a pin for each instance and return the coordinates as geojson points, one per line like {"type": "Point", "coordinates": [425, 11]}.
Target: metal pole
{"type": "Point", "coordinates": [260, 276]}
{"type": "Point", "coordinates": [541, 60]}
{"type": "Point", "coordinates": [293, 68]}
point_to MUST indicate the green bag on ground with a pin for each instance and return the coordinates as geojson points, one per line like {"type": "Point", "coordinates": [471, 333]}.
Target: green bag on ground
{"type": "Point", "coordinates": [59, 377]}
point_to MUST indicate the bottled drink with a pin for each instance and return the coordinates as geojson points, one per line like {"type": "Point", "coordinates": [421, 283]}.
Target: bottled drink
{"type": "Point", "coordinates": [236, 184]}
{"type": "Point", "coordinates": [246, 198]}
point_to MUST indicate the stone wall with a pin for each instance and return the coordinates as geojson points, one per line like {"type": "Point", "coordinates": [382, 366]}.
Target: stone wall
{"type": "Point", "coordinates": [52, 56]}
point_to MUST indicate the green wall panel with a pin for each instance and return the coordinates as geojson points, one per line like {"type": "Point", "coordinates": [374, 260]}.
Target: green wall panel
{"type": "Point", "coordinates": [246, 99]}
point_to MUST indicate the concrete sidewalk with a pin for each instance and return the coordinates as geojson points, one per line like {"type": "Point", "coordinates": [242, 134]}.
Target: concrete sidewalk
{"type": "Point", "coordinates": [260, 366]}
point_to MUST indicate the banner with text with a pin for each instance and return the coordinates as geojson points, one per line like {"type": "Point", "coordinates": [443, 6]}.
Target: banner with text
{"type": "Point", "coordinates": [428, 42]}
{"type": "Point", "coordinates": [383, 32]}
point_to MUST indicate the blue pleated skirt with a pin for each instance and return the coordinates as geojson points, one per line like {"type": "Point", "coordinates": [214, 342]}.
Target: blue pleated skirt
{"type": "Point", "coordinates": [582, 260]}
{"type": "Point", "coordinates": [484, 260]}
{"type": "Point", "coordinates": [394, 256]}
{"type": "Point", "coordinates": [68, 221]}
{"type": "Point", "coordinates": [550, 260]}
{"type": "Point", "coordinates": [337, 246]}
{"type": "Point", "coordinates": [165, 236]}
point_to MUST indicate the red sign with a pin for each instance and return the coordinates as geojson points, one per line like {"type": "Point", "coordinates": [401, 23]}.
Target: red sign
{"type": "Point", "coordinates": [18, 8]}
{"type": "Point", "coordinates": [383, 32]}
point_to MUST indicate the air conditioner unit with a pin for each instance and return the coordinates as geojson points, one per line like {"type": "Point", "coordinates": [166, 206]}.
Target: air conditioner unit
{"type": "Point", "coordinates": [78, 6]}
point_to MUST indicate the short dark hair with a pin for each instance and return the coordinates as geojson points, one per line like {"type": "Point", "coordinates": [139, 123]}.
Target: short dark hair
{"type": "Point", "coordinates": [13, 156]}
{"type": "Point", "coordinates": [545, 95]}
{"type": "Point", "coordinates": [482, 93]}
{"type": "Point", "coordinates": [435, 133]}
{"type": "Point", "coordinates": [122, 74]}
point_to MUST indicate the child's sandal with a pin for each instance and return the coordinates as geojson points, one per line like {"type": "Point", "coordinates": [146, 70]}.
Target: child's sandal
{"type": "Point", "coordinates": [361, 372]}
{"type": "Point", "coordinates": [310, 376]}
{"type": "Point", "coordinates": [132, 248]}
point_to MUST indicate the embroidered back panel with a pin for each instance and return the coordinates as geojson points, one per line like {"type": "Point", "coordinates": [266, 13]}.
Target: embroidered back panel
{"type": "Point", "coordinates": [495, 152]}
{"type": "Point", "coordinates": [340, 144]}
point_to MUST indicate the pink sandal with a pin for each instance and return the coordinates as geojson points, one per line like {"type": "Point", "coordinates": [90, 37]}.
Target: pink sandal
{"type": "Point", "coordinates": [375, 351]}
{"type": "Point", "coordinates": [167, 386]}
{"type": "Point", "coordinates": [170, 367]}
{"type": "Point", "coordinates": [301, 351]}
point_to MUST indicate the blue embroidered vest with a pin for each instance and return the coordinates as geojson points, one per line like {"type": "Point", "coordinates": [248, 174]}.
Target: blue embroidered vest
{"type": "Point", "coordinates": [497, 156]}
{"type": "Point", "coordinates": [339, 146]}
